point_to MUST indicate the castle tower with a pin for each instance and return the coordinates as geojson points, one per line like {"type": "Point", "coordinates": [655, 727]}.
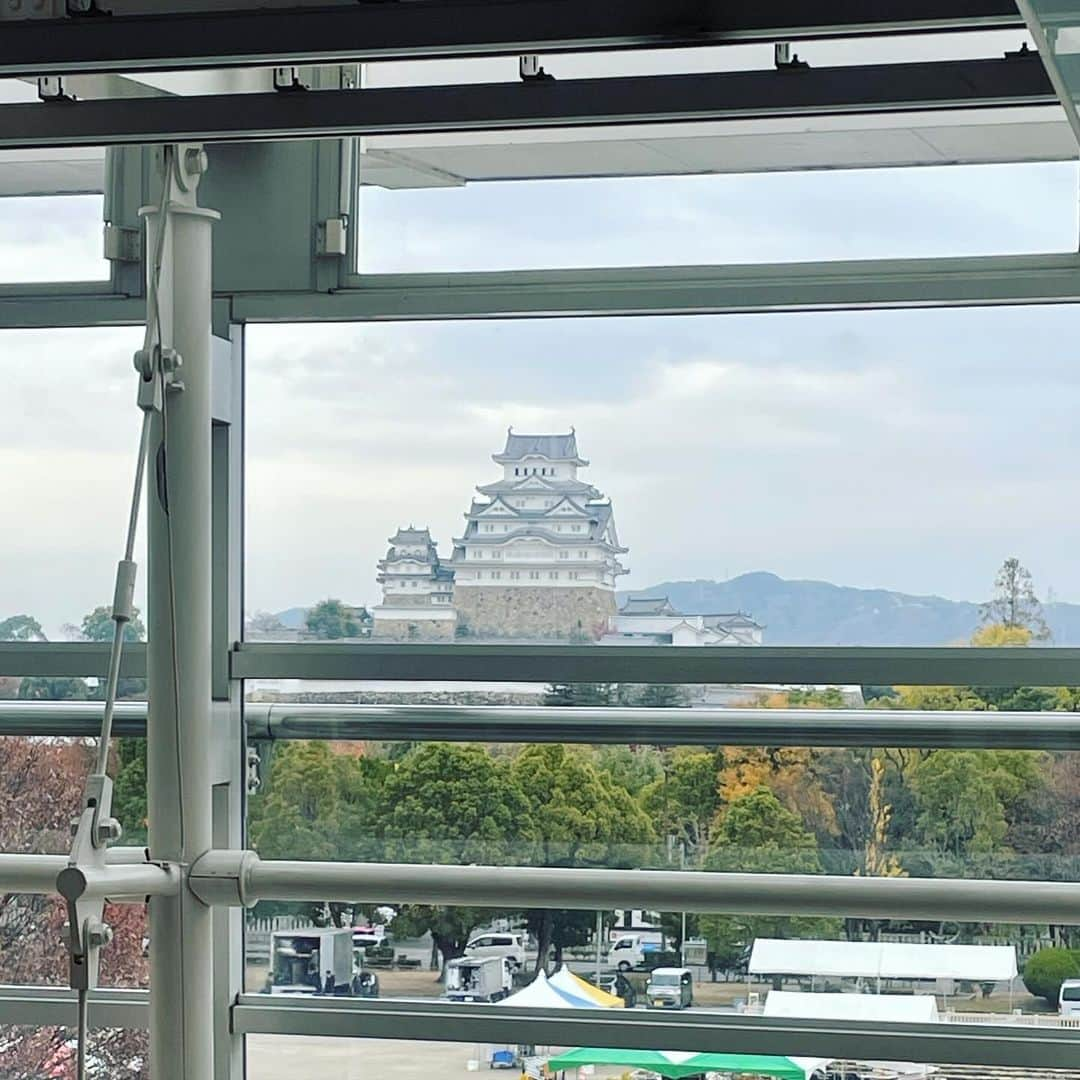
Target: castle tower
{"type": "Point", "coordinates": [539, 554]}
{"type": "Point", "coordinates": [417, 590]}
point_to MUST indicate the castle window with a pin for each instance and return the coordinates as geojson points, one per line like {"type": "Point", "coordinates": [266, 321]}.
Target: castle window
{"type": "Point", "coordinates": [515, 575]}
{"type": "Point", "coordinates": [517, 471]}
{"type": "Point", "coordinates": [564, 554]}
{"type": "Point", "coordinates": [553, 574]}
{"type": "Point", "coordinates": [573, 575]}
{"type": "Point", "coordinates": [496, 574]}
{"type": "Point", "coordinates": [496, 554]}
{"type": "Point", "coordinates": [534, 575]}
{"type": "Point", "coordinates": [583, 554]}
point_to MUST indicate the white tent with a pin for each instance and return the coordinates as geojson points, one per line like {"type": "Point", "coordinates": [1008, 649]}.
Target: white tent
{"type": "Point", "coordinates": [540, 994]}
{"type": "Point", "coordinates": [885, 1008]}
{"type": "Point", "coordinates": [883, 960]}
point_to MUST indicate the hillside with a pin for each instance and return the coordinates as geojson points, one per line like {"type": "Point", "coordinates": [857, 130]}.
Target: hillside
{"type": "Point", "coordinates": [820, 613]}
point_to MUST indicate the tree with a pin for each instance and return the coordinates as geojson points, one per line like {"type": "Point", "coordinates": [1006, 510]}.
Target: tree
{"type": "Point", "coordinates": [264, 624]}
{"type": "Point", "coordinates": [578, 817]}
{"type": "Point", "coordinates": [21, 628]}
{"type": "Point", "coordinates": [1014, 604]}
{"type": "Point", "coordinates": [581, 694]}
{"type": "Point", "coordinates": [684, 801]}
{"type": "Point", "coordinates": [41, 784]}
{"type": "Point", "coordinates": [46, 688]}
{"type": "Point", "coordinates": [1046, 969]}
{"type": "Point", "coordinates": [330, 619]}
{"type": "Point", "coordinates": [630, 767]}
{"type": "Point", "coordinates": [757, 834]}
{"type": "Point", "coordinates": [98, 625]}
{"type": "Point", "coordinates": [456, 804]}
{"type": "Point", "coordinates": [662, 696]}
{"type": "Point", "coordinates": [964, 796]}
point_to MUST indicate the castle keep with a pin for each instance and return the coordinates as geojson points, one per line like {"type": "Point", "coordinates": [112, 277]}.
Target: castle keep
{"type": "Point", "coordinates": [538, 557]}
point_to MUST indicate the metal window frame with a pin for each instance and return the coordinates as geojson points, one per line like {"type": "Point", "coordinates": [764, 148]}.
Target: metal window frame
{"type": "Point", "coordinates": [1051, 278]}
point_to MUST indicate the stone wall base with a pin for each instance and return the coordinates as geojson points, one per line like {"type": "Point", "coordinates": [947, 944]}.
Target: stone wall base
{"type": "Point", "coordinates": [418, 630]}
{"type": "Point", "coordinates": [533, 611]}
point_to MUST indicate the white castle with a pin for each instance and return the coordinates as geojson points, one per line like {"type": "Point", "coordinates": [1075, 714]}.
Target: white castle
{"type": "Point", "coordinates": [538, 559]}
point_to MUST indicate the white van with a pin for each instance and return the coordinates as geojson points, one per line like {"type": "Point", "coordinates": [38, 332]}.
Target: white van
{"type": "Point", "coordinates": [628, 951]}
{"type": "Point", "coordinates": [1069, 998]}
{"type": "Point", "coordinates": [509, 945]}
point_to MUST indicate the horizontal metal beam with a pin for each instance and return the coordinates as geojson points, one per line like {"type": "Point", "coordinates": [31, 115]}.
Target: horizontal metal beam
{"type": "Point", "coordinates": [70, 719]}
{"type": "Point", "coordinates": [726, 95]}
{"type": "Point", "coordinates": [673, 727]}
{"type": "Point", "coordinates": [599, 726]}
{"type": "Point", "coordinates": [39, 1006]}
{"type": "Point", "coordinates": [519, 887]}
{"type": "Point", "coordinates": [658, 664]}
{"type": "Point", "coordinates": [74, 659]}
{"type": "Point", "coordinates": [471, 28]}
{"type": "Point", "coordinates": [695, 1031]}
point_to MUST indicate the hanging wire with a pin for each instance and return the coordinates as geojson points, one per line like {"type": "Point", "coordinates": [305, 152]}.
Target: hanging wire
{"type": "Point", "coordinates": [151, 336]}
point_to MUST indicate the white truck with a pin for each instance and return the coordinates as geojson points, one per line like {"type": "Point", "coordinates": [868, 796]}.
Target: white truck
{"type": "Point", "coordinates": [629, 951]}
{"type": "Point", "coordinates": [479, 978]}
{"type": "Point", "coordinates": [313, 961]}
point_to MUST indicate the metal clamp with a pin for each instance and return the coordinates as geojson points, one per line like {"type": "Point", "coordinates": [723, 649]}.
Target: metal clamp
{"type": "Point", "coordinates": [158, 370]}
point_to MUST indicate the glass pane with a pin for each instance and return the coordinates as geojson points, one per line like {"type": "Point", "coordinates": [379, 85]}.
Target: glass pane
{"type": "Point", "coordinates": [413, 226]}
{"type": "Point", "coordinates": [811, 479]}
{"type": "Point", "coordinates": [51, 238]}
{"type": "Point", "coordinates": [277, 1057]}
{"type": "Point", "coordinates": [69, 430]}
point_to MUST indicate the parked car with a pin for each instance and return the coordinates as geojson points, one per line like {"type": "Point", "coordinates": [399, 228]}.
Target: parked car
{"type": "Point", "coordinates": [509, 945]}
{"type": "Point", "coordinates": [669, 988]}
{"type": "Point", "coordinates": [1069, 997]}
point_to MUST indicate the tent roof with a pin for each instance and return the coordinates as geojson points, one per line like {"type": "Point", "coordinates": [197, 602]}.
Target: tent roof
{"type": "Point", "coordinates": [677, 1065]}
{"type": "Point", "coordinates": [564, 979]}
{"type": "Point", "coordinates": [883, 959]}
{"type": "Point", "coordinates": [890, 1008]}
{"type": "Point", "coordinates": [540, 994]}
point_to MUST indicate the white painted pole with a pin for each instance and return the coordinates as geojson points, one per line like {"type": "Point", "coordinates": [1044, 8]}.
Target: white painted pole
{"type": "Point", "coordinates": [178, 651]}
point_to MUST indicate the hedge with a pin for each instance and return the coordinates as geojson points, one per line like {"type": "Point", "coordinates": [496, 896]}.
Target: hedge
{"type": "Point", "coordinates": [1047, 968]}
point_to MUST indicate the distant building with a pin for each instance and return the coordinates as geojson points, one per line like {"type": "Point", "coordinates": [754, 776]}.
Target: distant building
{"type": "Point", "coordinates": [417, 590]}
{"type": "Point", "coordinates": [653, 620]}
{"type": "Point", "coordinates": [539, 556]}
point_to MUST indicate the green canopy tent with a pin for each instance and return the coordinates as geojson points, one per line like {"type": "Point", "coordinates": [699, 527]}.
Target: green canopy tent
{"type": "Point", "coordinates": [675, 1065]}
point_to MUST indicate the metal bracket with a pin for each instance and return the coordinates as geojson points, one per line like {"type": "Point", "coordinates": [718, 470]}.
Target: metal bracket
{"type": "Point", "coordinates": [158, 370]}
{"type": "Point", "coordinates": [529, 69]}
{"type": "Point", "coordinates": [784, 59]}
{"type": "Point", "coordinates": [53, 88]}
{"type": "Point", "coordinates": [254, 770]}
{"type": "Point", "coordinates": [330, 238]}
{"type": "Point", "coordinates": [288, 79]}
{"type": "Point", "coordinates": [95, 828]}
{"type": "Point", "coordinates": [122, 244]}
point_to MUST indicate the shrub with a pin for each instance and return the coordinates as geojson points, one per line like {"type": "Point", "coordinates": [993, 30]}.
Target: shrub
{"type": "Point", "coordinates": [1047, 968]}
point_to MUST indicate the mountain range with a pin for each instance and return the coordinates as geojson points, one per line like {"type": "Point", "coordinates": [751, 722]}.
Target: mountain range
{"type": "Point", "coordinates": [819, 613]}
{"type": "Point", "coordinates": [796, 612]}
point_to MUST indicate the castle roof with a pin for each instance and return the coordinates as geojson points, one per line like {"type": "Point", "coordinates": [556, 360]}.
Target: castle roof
{"type": "Point", "coordinates": [411, 537]}
{"type": "Point", "coordinates": [539, 484]}
{"type": "Point", "coordinates": [552, 447]}
{"type": "Point", "coordinates": [648, 605]}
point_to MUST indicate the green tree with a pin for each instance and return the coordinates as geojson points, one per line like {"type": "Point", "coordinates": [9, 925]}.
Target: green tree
{"type": "Point", "coordinates": [963, 797]}
{"type": "Point", "coordinates": [330, 619]}
{"type": "Point", "coordinates": [579, 817]}
{"type": "Point", "coordinates": [98, 625]}
{"type": "Point", "coordinates": [449, 803]}
{"type": "Point", "coordinates": [631, 767]}
{"type": "Point", "coordinates": [756, 834]}
{"type": "Point", "coordinates": [46, 688]}
{"type": "Point", "coordinates": [683, 802]}
{"type": "Point", "coordinates": [1014, 604]}
{"type": "Point", "coordinates": [662, 696]}
{"type": "Point", "coordinates": [21, 628]}
{"type": "Point", "coordinates": [129, 790]}
{"type": "Point", "coordinates": [1046, 969]}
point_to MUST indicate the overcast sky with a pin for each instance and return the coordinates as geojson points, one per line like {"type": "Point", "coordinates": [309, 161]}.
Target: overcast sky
{"type": "Point", "coordinates": [910, 450]}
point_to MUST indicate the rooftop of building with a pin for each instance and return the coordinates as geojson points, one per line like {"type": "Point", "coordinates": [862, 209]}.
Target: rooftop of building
{"type": "Point", "coordinates": [411, 536]}
{"type": "Point", "coordinates": [551, 447]}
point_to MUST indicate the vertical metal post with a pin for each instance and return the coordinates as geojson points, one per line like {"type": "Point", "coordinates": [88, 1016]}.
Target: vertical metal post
{"type": "Point", "coordinates": [178, 652]}
{"type": "Point", "coordinates": [599, 942]}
